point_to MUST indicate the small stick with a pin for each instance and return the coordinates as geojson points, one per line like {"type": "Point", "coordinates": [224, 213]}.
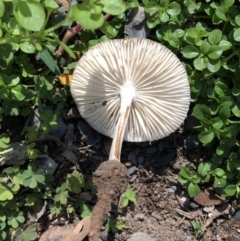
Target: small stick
{"type": "Point", "coordinates": [72, 32]}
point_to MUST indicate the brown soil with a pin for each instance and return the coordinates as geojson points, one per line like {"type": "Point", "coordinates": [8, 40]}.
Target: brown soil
{"type": "Point", "coordinates": [110, 180]}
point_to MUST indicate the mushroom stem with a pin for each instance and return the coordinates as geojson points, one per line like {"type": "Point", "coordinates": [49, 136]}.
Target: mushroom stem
{"type": "Point", "coordinates": [127, 95]}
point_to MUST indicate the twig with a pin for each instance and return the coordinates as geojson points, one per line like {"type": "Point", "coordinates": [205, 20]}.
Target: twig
{"type": "Point", "coordinates": [72, 32]}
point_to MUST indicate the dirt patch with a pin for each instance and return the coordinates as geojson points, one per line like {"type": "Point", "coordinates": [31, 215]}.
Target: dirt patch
{"type": "Point", "coordinates": [111, 180]}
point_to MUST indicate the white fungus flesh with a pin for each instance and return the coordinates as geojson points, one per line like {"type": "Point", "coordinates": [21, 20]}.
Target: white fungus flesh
{"type": "Point", "coordinates": [140, 69]}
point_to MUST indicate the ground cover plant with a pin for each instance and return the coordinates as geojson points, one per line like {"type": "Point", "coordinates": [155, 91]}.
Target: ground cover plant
{"type": "Point", "coordinates": [205, 35]}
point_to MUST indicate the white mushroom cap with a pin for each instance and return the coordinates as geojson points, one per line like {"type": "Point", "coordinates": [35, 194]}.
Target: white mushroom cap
{"type": "Point", "coordinates": [141, 68]}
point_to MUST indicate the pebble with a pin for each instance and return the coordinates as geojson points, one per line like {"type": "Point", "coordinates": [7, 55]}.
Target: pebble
{"type": "Point", "coordinates": [170, 190]}
{"type": "Point", "coordinates": [237, 215]}
{"type": "Point", "coordinates": [140, 159]}
{"type": "Point", "coordinates": [140, 236]}
{"type": "Point", "coordinates": [190, 142]}
{"type": "Point", "coordinates": [139, 216]}
{"type": "Point", "coordinates": [163, 161]}
{"type": "Point", "coordinates": [208, 209]}
{"type": "Point", "coordinates": [133, 178]}
{"type": "Point", "coordinates": [18, 155]}
{"type": "Point", "coordinates": [236, 238]}
{"type": "Point", "coordinates": [47, 164]}
{"type": "Point", "coordinates": [131, 170]}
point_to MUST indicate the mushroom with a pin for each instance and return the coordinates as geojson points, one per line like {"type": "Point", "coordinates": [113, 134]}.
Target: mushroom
{"type": "Point", "coordinates": [130, 89]}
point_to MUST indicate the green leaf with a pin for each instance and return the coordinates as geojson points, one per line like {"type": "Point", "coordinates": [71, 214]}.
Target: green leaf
{"type": "Point", "coordinates": [30, 15]}
{"type": "Point", "coordinates": [225, 45]}
{"type": "Point", "coordinates": [27, 47]}
{"type": "Point", "coordinates": [227, 3]}
{"type": "Point", "coordinates": [50, 4]}
{"type": "Point", "coordinates": [83, 15]}
{"type": "Point", "coordinates": [190, 52]}
{"type": "Point", "coordinates": [2, 8]}
{"type": "Point", "coordinates": [220, 182]}
{"type": "Point", "coordinates": [163, 16]}
{"type": "Point", "coordinates": [206, 136]}
{"type": "Point", "coordinates": [174, 9]}
{"type": "Point", "coordinates": [61, 194]}
{"type": "Point", "coordinates": [215, 52]}
{"type": "Point", "coordinates": [111, 225]}
{"type": "Point", "coordinates": [4, 141]}
{"type": "Point", "coordinates": [5, 193]}
{"type": "Point", "coordinates": [219, 172]}
{"type": "Point", "coordinates": [204, 168]}
{"type": "Point", "coordinates": [76, 182]}
{"type": "Point", "coordinates": [214, 65]}
{"type": "Point", "coordinates": [236, 110]}
{"type": "Point", "coordinates": [29, 234]}
{"type": "Point", "coordinates": [230, 190]}
{"type": "Point", "coordinates": [215, 36]}
{"type": "Point", "coordinates": [131, 195]}
{"type": "Point", "coordinates": [109, 30]}
{"type": "Point", "coordinates": [224, 112]}
{"type": "Point", "coordinates": [86, 210]}
{"type": "Point", "coordinates": [205, 47]}
{"type": "Point", "coordinates": [193, 189]}
{"type": "Point", "coordinates": [201, 111]}
{"type": "Point", "coordinates": [217, 123]}
{"type": "Point", "coordinates": [221, 13]}
{"type": "Point", "coordinates": [47, 58]}
{"type": "Point", "coordinates": [152, 22]}
{"type": "Point", "coordinates": [17, 93]}
{"type": "Point", "coordinates": [185, 172]}
{"type": "Point", "coordinates": [236, 34]}
{"type": "Point", "coordinates": [237, 19]}
{"type": "Point", "coordinates": [113, 7]}
{"type": "Point", "coordinates": [33, 177]}
{"type": "Point", "coordinates": [151, 7]}
{"type": "Point", "coordinates": [200, 63]}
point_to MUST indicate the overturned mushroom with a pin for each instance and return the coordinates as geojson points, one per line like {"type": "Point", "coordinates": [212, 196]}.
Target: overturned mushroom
{"type": "Point", "coordinates": [133, 90]}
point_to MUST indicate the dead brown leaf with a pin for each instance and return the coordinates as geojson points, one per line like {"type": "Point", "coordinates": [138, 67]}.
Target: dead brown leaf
{"type": "Point", "coordinates": [208, 198]}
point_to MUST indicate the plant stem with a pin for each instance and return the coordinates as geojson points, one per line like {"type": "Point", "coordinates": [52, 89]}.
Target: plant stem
{"type": "Point", "coordinates": [125, 108]}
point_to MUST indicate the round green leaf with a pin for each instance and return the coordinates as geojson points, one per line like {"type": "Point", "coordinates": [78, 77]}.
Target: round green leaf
{"type": "Point", "coordinates": [214, 65]}
{"type": "Point", "coordinates": [230, 190]}
{"type": "Point", "coordinates": [236, 34]}
{"type": "Point", "coordinates": [206, 136]}
{"type": "Point", "coordinates": [30, 15]}
{"type": "Point", "coordinates": [109, 30]}
{"type": "Point", "coordinates": [27, 47]}
{"type": "Point", "coordinates": [2, 8]}
{"type": "Point", "coordinates": [236, 110]}
{"type": "Point", "coordinates": [227, 3]}
{"type": "Point", "coordinates": [225, 45]}
{"type": "Point", "coordinates": [50, 4]}
{"type": "Point", "coordinates": [217, 123]}
{"type": "Point", "coordinates": [204, 47]}
{"type": "Point", "coordinates": [220, 182]}
{"type": "Point", "coordinates": [163, 16]}
{"type": "Point", "coordinates": [190, 52]}
{"type": "Point", "coordinates": [82, 14]}
{"type": "Point", "coordinates": [237, 19]}
{"type": "Point", "coordinates": [201, 111]}
{"type": "Point", "coordinates": [113, 7]}
{"type": "Point", "coordinates": [215, 36]}
{"type": "Point", "coordinates": [151, 7]}
{"type": "Point", "coordinates": [215, 52]}
{"type": "Point", "coordinates": [174, 9]}
{"type": "Point", "coordinates": [221, 13]}
{"type": "Point", "coordinates": [200, 62]}
{"type": "Point", "coordinates": [193, 189]}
